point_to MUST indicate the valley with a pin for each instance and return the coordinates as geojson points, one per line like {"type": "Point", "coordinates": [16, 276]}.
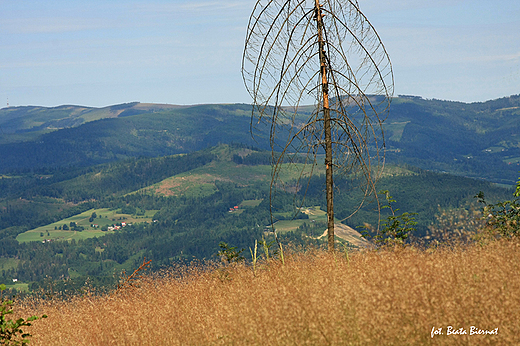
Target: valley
{"type": "Point", "coordinates": [181, 207]}
{"type": "Point", "coordinates": [184, 179]}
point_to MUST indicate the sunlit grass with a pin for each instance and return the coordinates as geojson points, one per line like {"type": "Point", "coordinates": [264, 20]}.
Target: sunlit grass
{"type": "Point", "coordinates": [382, 297]}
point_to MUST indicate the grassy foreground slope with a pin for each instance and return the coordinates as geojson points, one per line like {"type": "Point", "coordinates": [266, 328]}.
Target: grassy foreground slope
{"type": "Point", "coordinates": [373, 298]}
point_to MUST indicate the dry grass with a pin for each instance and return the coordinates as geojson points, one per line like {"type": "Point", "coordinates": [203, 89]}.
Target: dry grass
{"type": "Point", "coordinates": [377, 298]}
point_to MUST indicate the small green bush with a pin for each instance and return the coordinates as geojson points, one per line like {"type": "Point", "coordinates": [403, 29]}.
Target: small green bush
{"type": "Point", "coordinates": [230, 254]}
{"type": "Point", "coordinates": [11, 333]}
{"type": "Point", "coordinates": [396, 229]}
{"type": "Point", "coordinates": [502, 218]}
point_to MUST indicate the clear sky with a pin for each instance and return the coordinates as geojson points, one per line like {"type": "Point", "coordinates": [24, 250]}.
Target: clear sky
{"type": "Point", "coordinates": [105, 52]}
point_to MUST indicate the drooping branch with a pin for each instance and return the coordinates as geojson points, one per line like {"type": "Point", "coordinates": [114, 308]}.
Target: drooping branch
{"type": "Point", "coordinates": [324, 54]}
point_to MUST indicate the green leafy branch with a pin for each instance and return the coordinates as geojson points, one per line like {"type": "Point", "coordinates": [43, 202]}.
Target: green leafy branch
{"type": "Point", "coordinates": [396, 229]}
{"type": "Point", "coordinates": [11, 330]}
{"type": "Point", "coordinates": [502, 218]}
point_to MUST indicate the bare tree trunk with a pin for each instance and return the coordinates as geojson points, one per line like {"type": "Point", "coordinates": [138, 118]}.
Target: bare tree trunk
{"type": "Point", "coordinates": [281, 71]}
{"type": "Point", "coordinates": [327, 128]}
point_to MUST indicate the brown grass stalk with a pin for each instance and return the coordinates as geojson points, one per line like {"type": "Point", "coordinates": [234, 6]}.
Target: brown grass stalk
{"type": "Point", "coordinates": [388, 297]}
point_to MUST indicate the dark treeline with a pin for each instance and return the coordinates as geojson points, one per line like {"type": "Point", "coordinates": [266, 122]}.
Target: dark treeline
{"type": "Point", "coordinates": [422, 192]}
{"type": "Point", "coordinates": [187, 228]}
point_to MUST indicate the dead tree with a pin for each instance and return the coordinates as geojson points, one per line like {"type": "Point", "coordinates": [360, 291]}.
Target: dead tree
{"type": "Point", "coordinates": [328, 55]}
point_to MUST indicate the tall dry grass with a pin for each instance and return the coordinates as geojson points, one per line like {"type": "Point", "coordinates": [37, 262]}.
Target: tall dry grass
{"type": "Point", "coordinates": [376, 298]}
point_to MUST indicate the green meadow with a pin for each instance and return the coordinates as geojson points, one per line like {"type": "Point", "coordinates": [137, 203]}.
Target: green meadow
{"type": "Point", "coordinates": [105, 217]}
{"type": "Point", "coordinates": [315, 215]}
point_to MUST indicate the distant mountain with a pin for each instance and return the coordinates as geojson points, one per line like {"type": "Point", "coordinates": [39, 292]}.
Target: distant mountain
{"type": "Point", "coordinates": [34, 119]}
{"type": "Point", "coordinates": [480, 140]}
{"type": "Point", "coordinates": [151, 131]}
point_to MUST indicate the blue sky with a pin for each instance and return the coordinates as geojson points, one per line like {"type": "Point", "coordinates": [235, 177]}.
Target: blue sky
{"type": "Point", "coordinates": [98, 53]}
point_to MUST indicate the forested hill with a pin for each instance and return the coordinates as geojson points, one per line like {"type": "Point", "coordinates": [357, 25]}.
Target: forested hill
{"type": "Point", "coordinates": [181, 207]}
{"type": "Point", "coordinates": [479, 140]}
{"type": "Point", "coordinates": [157, 132]}
{"type": "Point", "coordinates": [35, 120]}
{"type": "Point", "coordinates": [472, 139]}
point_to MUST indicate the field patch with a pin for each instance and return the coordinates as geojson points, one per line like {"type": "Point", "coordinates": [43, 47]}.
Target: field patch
{"type": "Point", "coordinates": [19, 286]}
{"type": "Point", "coordinates": [189, 185]}
{"type": "Point", "coordinates": [396, 128]}
{"type": "Point", "coordinates": [62, 230]}
{"type": "Point", "coordinates": [251, 203]}
{"type": "Point", "coordinates": [317, 215]}
{"type": "Point", "coordinates": [200, 182]}
{"type": "Point", "coordinates": [8, 263]}
{"type": "Point", "coordinates": [512, 160]}
{"type": "Point", "coordinates": [289, 225]}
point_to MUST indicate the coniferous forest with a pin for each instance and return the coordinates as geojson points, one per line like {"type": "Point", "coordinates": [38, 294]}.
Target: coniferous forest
{"type": "Point", "coordinates": [170, 168]}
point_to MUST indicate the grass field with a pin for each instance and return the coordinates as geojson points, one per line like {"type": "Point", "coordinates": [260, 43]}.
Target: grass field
{"type": "Point", "coordinates": [8, 263]}
{"type": "Point", "coordinates": [396, 129]}
{"type": "Point", "coordinates": [386, 297]}
{"type": "Point", "coordinates": [105, 217]}
{"type": "Point", "coordinates": [288, 225]}
{"type": "Point", "coordinates": [314, 213]}
{"type": "Point", "coordinates": [251, 203]}
{"type": "Point", "coordinates": [512, 160]}
{"type": "Point", "coordinates": [19, 286]}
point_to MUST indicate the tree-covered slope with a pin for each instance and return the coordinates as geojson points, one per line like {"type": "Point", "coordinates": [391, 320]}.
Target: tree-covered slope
{"type": "Point", "coordinates": [192, 195]}
{"type": "Point", "coordinates": [472, 139]}
{"type": "Point", "coordinates": [34, 120]}
{"type": "Point", "coordinates": [477, 139]}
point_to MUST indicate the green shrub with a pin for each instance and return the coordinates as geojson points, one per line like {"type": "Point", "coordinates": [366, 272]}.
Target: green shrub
{"type": "Point", "coordinates": [229, 254]}
{"type": "Point", "coordinates": [11, 332]}
{"type": "Point", "coordinates": [396, 229]}
{"type": "Point", "coordinates": [502, 218]}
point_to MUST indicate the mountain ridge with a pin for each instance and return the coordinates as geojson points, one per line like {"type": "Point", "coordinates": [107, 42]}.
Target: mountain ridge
{"type": "Point", "coordinates": [480, 139]}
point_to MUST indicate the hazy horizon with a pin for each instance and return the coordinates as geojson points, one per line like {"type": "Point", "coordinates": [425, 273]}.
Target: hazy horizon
{"type": "Point", "coordinates": [96, 53]}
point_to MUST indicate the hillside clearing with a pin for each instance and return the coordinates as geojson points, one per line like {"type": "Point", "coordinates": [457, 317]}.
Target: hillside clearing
{"type": "Point", "coordinates": [105, 217]}
{"type": "Point", "coordinates": [200, 182]}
